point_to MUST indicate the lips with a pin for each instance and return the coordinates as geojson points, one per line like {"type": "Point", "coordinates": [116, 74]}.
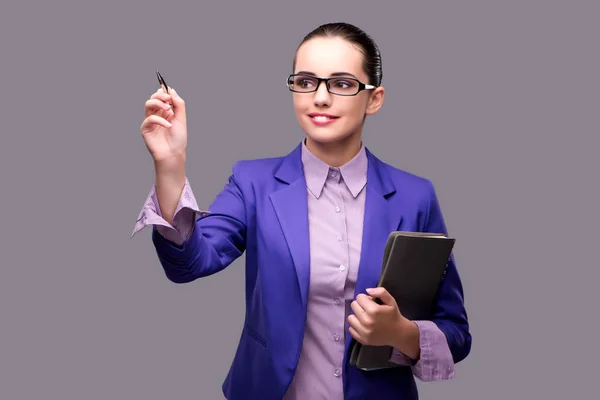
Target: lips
{"type": "Point", "coordinates": [322, 118]}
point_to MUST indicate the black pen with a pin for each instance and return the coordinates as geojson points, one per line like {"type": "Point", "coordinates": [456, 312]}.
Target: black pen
{"type": "Point", "coordinates": [162, 82]}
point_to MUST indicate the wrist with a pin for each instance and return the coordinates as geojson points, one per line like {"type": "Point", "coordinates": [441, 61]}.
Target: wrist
{"type": "Point", "coordinates": [407, 338]}
{"type": "Point", "coordinates": [173, 166]}
{"type": "Point", "coordinates": [170, 182]}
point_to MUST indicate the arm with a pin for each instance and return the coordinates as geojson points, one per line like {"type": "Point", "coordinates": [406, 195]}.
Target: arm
{"type": "Point", "coordinates": [170, 180]}
{"type": "Point", "coordinates": [184, 218]}
{"type": "Point", "coordinates": [433, 347]}
{"type": "Point", "coordinates": [203, 247]}
{"type": "Point", "coordinates": [449, 313]}
{"type": "Point", "coordinates": [433, 359]}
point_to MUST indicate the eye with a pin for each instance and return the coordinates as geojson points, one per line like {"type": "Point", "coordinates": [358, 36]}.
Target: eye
{"type": "Point", "coordinates": [304, 82]}
{"type": "Point", "coordinates": [344, 83]}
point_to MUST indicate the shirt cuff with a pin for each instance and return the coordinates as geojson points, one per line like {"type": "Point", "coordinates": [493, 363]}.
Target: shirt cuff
{"type": "Point", "coordinates": [184, 219]}
{"type": "Point", "coordinates": [436, 362]}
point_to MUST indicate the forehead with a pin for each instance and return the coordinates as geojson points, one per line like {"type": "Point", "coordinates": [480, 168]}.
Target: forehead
{"type": "Point", "coordinates": [326, 55]}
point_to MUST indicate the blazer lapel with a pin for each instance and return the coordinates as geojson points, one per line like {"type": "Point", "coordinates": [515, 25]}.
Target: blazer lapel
{"type": "Point", "coordinates": [291, 206]}
{"type": "Point", "coordinates": [380, 218]}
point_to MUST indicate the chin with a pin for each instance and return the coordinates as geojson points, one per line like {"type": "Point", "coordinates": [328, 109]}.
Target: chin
{"type": "Point", "coordinates": [324, 137]}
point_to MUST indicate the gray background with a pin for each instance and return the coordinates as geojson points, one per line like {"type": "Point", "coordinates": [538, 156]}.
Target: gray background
{"type": "Point", "coordinates": [495, 102]}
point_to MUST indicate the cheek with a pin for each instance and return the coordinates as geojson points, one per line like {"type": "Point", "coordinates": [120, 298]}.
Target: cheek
{"type": "Point", "coordinates": [299, 111]}
{"type": "Point", "coordinates": [356, 110]}
{"type": "Point", "coordinates": [300, 103]}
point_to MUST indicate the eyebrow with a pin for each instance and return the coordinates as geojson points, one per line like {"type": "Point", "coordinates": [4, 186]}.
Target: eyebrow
{"type": "Point", "coordinates": [332, 75]}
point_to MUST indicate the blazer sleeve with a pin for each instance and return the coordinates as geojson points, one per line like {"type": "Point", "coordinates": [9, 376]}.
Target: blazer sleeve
{"type": "Point", "coordinates": [449, 311]}
{"type": "Point", "coordinates": [217, 239]}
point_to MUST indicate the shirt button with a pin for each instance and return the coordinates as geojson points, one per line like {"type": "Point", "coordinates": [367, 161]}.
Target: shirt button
{"type": "Point", "coordinates": [342, 267]}
{"type": "Point", "coordinates": [337, 373]}
{"type": "Point", "coordinates": [339, 238]}
{"type": "Point", "coordinates": [337, 209]}
{"type": "Point", "coordinates": [337, 301]}
{"type": "Point", "coordinates": [336, 338]}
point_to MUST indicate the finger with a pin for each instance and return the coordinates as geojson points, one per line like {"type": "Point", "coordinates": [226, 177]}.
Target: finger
{"type": "Point", "coordinates": [367, 303]}
{"type": "Point", "coordinates": [356, 335]}
{"type": "Point", "coordinates": [153, 106]}
{"type": "Point", "coordinates": [169, 114]}
{"type": "Point", "coordinates": [166, 100]}
{"type": "Point", "coordinates": [356, 307]}
{"type": "Point", "coordinates": [178, 106]}
{"type": "Point", "coordinates": [161, 95]}
{"type": "Point", "coordinates": [354, 323]}
{"type": "Point", "coordinates": [152, 120]}
{"type": "Point", "coordinates": [381, 293]}
{"type": "Point", "coordinates": [360, 313]}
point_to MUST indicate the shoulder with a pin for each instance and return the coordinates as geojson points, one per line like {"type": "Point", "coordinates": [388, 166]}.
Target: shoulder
{"type": "Point", "coordinates": [264, 170]}
{"type": "Point", "coordinates": [414, 192]}
{"type": "Point", "coordinates": [246, 169]}
{"type": "Point", "coordinates": [252, 174]}
{"type": "Point", "coordinates": [404, 181]}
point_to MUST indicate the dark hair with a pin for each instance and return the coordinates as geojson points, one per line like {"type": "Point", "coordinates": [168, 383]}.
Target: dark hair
{"type": "Point", "coordinates": [356, 36]}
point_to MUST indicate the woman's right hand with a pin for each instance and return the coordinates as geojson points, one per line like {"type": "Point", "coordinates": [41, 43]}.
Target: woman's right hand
{"type": "Point", "coordinates": [164, 128]}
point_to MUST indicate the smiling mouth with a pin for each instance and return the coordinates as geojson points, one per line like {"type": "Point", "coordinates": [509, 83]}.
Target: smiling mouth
{"type": "Point", "coordinates": [322, 118]}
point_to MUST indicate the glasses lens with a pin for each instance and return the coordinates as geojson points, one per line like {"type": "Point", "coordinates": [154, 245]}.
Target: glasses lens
{"type": "Point", "coordinates": [303, 83]}
{"type": "Point", "coordinates": [307, 83]}
{"type": "Point", "coordinates": [343, 86]}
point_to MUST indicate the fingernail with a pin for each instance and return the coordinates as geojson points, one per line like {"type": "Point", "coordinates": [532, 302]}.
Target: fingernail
{"type": "Point", "coordinates": [174, 92]}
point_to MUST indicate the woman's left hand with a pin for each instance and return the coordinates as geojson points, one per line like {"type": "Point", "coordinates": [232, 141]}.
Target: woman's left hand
{"type": "Point", "coordinates": [376, 324]}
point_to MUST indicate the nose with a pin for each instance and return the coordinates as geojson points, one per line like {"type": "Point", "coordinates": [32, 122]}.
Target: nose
{"type": "Point", "coordinates": [322, 97]}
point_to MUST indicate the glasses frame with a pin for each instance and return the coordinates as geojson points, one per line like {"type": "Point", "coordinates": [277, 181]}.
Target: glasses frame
{"type": "Point", "coordinates": [361, 86]}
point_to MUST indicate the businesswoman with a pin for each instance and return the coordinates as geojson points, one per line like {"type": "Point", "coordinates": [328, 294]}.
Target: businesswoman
{"type": "Point", "coordinates": [313, 224]}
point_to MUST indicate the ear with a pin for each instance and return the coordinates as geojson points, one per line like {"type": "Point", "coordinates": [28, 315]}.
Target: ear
{"type": "Point", "coordinates": [375, 100]}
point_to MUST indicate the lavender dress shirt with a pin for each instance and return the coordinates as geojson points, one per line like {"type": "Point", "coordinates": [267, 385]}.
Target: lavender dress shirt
{"type": "Point", "coordinates": [336, 200]}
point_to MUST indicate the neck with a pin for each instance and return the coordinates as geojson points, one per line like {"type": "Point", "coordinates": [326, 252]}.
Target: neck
{"type": "Point", "coordinates": [335, 154]}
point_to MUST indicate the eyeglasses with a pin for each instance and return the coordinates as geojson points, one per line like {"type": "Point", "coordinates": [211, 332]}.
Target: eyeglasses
{"type": "Point", "coordinates": [341, 86]}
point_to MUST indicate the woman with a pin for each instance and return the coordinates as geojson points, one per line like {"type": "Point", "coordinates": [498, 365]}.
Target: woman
{"type": "Point", "coordinates": [313, 225]}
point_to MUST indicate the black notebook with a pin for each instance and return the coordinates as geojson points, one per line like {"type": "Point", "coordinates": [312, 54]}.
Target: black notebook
{"type": "Point", "coordinates": [414, 264]}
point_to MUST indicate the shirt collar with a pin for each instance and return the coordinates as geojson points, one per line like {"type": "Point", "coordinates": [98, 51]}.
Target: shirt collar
{"type": "Point", "coordinates": [353, 173]}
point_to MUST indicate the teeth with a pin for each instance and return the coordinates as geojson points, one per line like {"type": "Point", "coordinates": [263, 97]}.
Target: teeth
{"type": "Point", "coordinates": [321, 118]}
